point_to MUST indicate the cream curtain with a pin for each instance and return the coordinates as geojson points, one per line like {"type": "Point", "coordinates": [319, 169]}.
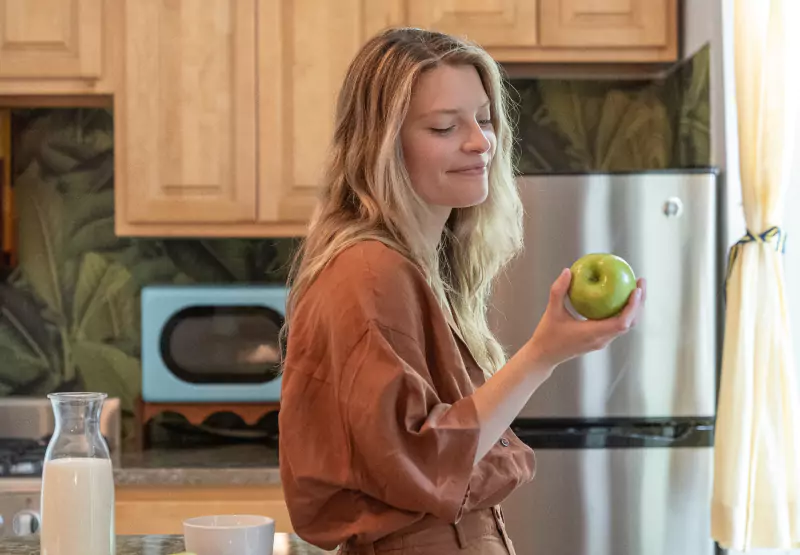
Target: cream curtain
{"type": "Point", "coordinates": [756, 495]}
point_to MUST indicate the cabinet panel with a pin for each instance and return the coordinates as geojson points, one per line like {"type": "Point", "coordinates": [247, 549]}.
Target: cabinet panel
{"type": "Point", "coordinates": [305, 47]}
{"type": "Point", "coordinates": [143, 510]}
{"type": "Point", "coordinates": [51, 39]}
{"type": "Point", "coordinates": [185, 128]}
{"type": "Point", "coordinates": [605, 23]}
{"type": "Point", "coordinates": [491, 23]}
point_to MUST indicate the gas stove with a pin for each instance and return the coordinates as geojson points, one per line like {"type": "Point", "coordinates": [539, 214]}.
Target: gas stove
{"type": "Point", "coordinates": [26, 425]}
{"type": "Point", "coordinates": [21, 457]}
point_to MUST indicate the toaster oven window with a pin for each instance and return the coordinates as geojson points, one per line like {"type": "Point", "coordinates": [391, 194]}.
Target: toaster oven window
{"type": "Point", "coordinates": [223, 344]}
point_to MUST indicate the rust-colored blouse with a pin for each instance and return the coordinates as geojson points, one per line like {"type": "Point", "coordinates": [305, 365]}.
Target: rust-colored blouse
{"type": "Point", "coordinates": [377, 426]}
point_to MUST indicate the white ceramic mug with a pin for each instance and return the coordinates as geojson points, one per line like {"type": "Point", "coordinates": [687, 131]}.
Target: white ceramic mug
{"type": "Point", "coordinates": [229, 535]}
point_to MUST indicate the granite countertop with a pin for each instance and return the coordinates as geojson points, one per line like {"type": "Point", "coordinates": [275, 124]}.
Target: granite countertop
{"type": "Point", "coordinates": [285, 544]}
{"type": "Point", "coordinates": [230, 465]}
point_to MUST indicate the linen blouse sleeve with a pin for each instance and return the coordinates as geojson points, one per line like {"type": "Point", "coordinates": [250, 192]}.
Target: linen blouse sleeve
{"type": "Point", "coordinates": [409, 449]}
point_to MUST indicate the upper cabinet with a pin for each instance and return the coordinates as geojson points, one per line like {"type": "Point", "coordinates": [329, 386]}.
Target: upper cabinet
{"type": "Point", "coordinates": [636, 29]}
{"type": "Point", "coordinates": [53, 46]}
{"type": "Point", "coordinates": [185, 126]}
{"type": "Point", "coordinates": [558, 31]}
{"type": "Point", "coordinates": [495, 24]}
{"type": "Point", "coordinates": [224, 109]}
{"type": "Point", "coordinates": [305, 47]}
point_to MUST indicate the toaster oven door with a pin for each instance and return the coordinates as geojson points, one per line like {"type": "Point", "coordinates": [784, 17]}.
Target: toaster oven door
{"type": "Point", "coordinates": [223, 344]}
{"type": "Point", "coordinates": [213, 349]}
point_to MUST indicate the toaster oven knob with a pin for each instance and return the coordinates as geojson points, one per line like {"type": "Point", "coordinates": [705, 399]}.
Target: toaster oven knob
{"type": "Point", "coordinates": [673, 207]}
{"type": "Point", "coordinates": [26, 523]}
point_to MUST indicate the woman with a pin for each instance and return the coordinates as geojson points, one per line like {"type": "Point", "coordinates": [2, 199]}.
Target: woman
{"type": "Point", "coordinates": [396, 398]}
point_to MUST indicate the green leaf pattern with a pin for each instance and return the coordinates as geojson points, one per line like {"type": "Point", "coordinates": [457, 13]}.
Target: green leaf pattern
{"type": "Point", "coordinates": [612, 125]}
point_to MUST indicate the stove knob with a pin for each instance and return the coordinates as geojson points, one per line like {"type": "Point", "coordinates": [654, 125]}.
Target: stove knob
{"type": "Point", "coordinates": [26, 523]}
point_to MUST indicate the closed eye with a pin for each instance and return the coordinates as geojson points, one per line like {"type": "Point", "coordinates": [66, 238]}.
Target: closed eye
{"type": "Point", "coordinates": [442, 131]}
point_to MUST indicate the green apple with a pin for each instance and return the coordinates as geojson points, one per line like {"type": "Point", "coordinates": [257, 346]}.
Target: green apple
{"type": "Point", "coordinates": [600, 285]}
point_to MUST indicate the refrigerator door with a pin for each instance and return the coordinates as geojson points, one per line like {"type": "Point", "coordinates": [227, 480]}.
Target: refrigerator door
{"type": "Point", "coordinates": [665, 225]}
{"type": "Point", "coordinates": [615, 502]}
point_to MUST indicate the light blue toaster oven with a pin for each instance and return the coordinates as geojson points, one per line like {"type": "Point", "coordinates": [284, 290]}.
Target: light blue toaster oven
{"type": "Point", "coordinates": [211, 343]}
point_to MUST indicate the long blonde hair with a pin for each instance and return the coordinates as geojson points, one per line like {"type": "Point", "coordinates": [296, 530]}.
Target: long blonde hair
{"type": "Point", "coordinates": [367, 194]}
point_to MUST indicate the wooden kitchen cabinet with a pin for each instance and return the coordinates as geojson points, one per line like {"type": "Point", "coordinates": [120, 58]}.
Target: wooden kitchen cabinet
{"type": "Point", "coordinates": [305, 47]}
{"type": "Point", "coordinates": [226, 109]}
{"type": "Point", "coordinates": [558, 31]}
{"type": "Point", "coordinates": [639, 25]}
{"type": "Point", "coordinates": [223, 109]}
{"type": "Point", "coordinates": [162, 510]}
{"type": "Point", "coordinates": [55, 47]}
{"type": "Point", "coordinates": [494, 24]}
{"type": "Point", "coordinates": [185, 126]}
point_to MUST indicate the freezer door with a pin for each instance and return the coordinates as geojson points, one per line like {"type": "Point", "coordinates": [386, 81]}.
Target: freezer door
{"type": "Point", "coordinates": [615, 502]}
{"type": "Point", "coordinates": [665, 226]}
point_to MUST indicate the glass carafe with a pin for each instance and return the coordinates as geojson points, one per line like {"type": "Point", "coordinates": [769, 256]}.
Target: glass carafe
{"type": "Point", "coordinates": [78, 481]}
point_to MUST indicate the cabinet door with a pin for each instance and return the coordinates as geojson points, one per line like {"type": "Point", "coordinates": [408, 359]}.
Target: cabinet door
{"type": "Point", "coordinates": [185, 131]}
{"type": "Point", "coordinates": [305, 47]}
{"type": "Point", "coordinates": [605, 23]}
{"type": "Point", "coordinates": [491, 23]}
{"type": "Point", "coordinates": [51, 39]}
{"type": "Point", "coordinates": [143, 510]}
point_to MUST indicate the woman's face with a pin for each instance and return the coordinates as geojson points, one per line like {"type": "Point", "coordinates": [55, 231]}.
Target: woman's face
{"type": "Point", "coordinates": [448, 139]}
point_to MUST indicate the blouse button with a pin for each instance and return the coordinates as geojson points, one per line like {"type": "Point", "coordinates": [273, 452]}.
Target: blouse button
{"type": "Point", "coordinates": [504, 442]}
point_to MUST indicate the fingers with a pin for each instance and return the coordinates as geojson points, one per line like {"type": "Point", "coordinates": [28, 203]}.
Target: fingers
{"type": "Point", "coordinates": [623, 321]}
{"type": "Point", "coordinates": [602, 332]}
{"type": "Point", "coordinates": [641, 284]}
{"type": "Point", "coordinates": [632, 307]}
{"type": "Point", "coordinates": [559, 289]}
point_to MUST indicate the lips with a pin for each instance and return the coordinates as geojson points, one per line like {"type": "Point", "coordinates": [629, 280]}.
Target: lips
{"type": "Point", "coordinates": [474, 169]}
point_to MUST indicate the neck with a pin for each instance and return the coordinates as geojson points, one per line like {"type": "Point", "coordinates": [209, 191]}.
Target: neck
{"type": "Point", "coordinates": [433, 222]}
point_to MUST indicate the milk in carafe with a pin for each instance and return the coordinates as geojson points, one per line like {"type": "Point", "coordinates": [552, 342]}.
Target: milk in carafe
{"type": "Point", "coordinates": [78, 507]}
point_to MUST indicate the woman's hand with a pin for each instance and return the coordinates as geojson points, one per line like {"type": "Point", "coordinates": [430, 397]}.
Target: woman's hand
{"type": "Point", "coordinates": [560, 337]}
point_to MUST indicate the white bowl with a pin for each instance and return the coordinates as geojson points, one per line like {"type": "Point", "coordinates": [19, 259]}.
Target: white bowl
{"type": "Point", "coordinates": [229, 535]}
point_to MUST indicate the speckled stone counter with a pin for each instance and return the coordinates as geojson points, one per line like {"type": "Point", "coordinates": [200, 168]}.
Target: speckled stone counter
{"type": "Point", "coordinates": [285, 544]}
{"type": "Point", "coordinates": [234, 465]}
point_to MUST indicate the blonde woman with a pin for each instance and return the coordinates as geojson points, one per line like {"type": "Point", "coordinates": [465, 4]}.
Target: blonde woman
{"type": "Point", "coordinates": [396, 399]}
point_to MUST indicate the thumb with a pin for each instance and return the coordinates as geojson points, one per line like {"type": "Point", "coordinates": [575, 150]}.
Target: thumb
{"type": "Point", "coordinates": [559, 288]}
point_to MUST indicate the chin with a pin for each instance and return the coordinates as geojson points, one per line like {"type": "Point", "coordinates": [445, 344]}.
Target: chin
{"type": "Point", "coordinates": [461, 195]}
{"type": "Point", "coordinates": [471, 203]}
{"type": "Point", "coordinates": [474, 199]}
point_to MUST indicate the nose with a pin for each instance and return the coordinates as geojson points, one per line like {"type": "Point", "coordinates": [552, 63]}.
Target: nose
{"type": "Point", "coordinates": [476, 140]}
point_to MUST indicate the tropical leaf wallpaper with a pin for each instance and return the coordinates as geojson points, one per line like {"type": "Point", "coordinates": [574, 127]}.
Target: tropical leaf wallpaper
{"type": "Point", "coordinates": [608, 125]}
{"type": "Point", "coordinates": [69, 307]}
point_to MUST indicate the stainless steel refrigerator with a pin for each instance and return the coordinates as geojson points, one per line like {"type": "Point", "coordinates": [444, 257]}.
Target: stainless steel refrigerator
{"type": "Point", "coordinates": [623, 437]}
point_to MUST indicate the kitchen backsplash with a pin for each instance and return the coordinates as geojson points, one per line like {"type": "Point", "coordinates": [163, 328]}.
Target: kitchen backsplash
{"type": "Point", "coordinates": [69, 310]}
{"type": "Point", "coordinates": [607, 125]}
